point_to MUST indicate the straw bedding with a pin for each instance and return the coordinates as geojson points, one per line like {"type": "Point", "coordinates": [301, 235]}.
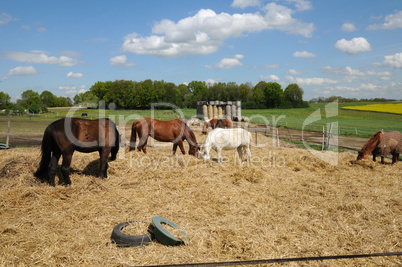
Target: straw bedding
{"type": "Point", "coordinates": [286, 203]}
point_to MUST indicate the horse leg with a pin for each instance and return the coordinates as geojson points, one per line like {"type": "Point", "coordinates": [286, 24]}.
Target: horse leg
{"type": "Point", "coordinates": [65, 165]}
{"type": "Point", "coordinates": [382, 160]}
{"type": "Point", "coordinates": [103, 154]}
{"type": "Point", "coordinates": [142, 143]}
{"type": "Point", "coordinates": [395, 157]}
{"type": "Point", "coordinates": [248, 153]}
{"type": "Point", "coordinates": [240, 152]}
{"type": "Point", "coordinates": [174, 149]}
{"type": "Point", "coordinates": [180, 143]}
{"type": "Point", "coordinates": [219, 151]}
{"type": "Point", "coordinates": [53, 166]}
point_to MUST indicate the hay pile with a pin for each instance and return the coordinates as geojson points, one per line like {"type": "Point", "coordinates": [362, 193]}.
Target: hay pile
{"type": "Point", "coordinates": [290, 204]}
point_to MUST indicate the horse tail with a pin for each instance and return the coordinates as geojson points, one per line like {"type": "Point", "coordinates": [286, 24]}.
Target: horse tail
{"type": "Point", "coordinates": [46, 150]}
{"type": "Point", "coordinates": [133, 138]}
{"type": "Point", "coordinates": [116, 145]}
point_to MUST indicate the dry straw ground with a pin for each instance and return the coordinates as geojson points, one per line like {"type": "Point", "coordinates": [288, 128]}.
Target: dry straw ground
{"type": "Point", "coordinates": [287, 203]}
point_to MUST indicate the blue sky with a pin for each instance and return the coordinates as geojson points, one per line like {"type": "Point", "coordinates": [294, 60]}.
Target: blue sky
{"type": "Point", "coordinates": [346, 48]}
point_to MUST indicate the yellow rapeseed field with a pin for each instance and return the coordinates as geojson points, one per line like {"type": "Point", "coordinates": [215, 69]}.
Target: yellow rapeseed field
{"type": "Point", "coordinates": [395, 108]}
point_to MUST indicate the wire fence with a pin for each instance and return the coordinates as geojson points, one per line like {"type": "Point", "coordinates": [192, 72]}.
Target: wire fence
{"type": "Point", "coordinates": [29, 132]}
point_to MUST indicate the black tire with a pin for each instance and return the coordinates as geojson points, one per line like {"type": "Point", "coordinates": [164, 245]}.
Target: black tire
{"type": "Point", "coordinates": [163, 235]}
{"type": "Point", "coordinates": [123, 240]}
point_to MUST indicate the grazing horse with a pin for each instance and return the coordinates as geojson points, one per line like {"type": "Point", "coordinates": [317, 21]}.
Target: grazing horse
{"type": "Point", "coordinates": [382, 143]}
{"type": "Point", "coordinates": [66, 135]}
{"type": "Point", "coordinates": [217, 123]}
{"type": "Point", "coordinates": [224, 139]}
{"type": "Point", "coordinates": [174, 131]}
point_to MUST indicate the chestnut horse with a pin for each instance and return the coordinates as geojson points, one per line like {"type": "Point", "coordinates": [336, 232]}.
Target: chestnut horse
{"type": "Point", "coordinates": [217, 123]}
{"type": "Point", "coordinates": [64, 136]}
{"type": "Point", "coordinates": [174, 131]}
{"type": "Point", "coordinates": [382, 143]}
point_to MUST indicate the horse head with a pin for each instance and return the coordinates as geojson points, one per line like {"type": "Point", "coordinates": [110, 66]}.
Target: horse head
{"type": "Point", "coordinates": [362, 155]}
{"type": "Point", "coordinates": [194, 150]}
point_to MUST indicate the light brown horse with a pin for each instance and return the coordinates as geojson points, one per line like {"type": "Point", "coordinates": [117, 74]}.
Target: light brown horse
{"type": "Point", "coordinates": [217, 123]}
{"type": "Point", "coordinates": [64, 136]}
{"type": "Point", "coordinates": [174, 131]}
{"type": "Point", "coordinates": [382, 143]}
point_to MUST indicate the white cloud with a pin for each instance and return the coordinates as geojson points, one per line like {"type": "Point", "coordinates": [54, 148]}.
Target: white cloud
{"type": "Point", "coordinates": [120, 61]}
{"type": "Point", "coordinates": [245, 3]}
{"type": "Point", "coordinates": [3, 78]}
{"type": "Point", "coordinates": [270, 78]}
{"type": "Point", "coordinates": [310, 81]}
{"type": "Point", "coordinates": [22, 71]}
{"type": "Point", "coordinates": [40, 57]}
{"type": "Point", "coordinates": [392, 21]}
{"type": "Point", "coordinates": [301, 5]}
{"type": "Point", "coordinates": [394, 61]}
{"type": "Point", "coordinates": [5, 18]}
{"type": "Point", "coordinates": [41, 29]}
{"type": "Point", "coordinates": [369, 86]}
{"type": "Point", "coordinates": [206, 31]}
{"type": "Point", "coordinates": [304, 54]}
{"type": "Point", "coordinates": [228, 63]}
{"type": "Point", "coordinates": [211, 82]}
{"type": "Point", "coordinates": [353, 46]}
{"type": "Point", "coordinates": [274, 66]}
{"type": "Point", "coordinates": [72, 75]}
{"type": "Point", "coordinates": [295, 72]}
{"type": "Point", "coordinates": [349, 27]}
{"type": "Point", "coordinates": [69, 90]}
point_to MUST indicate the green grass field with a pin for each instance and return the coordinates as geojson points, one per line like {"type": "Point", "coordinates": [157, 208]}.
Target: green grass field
{"type": "Point", "coordinates": [350, 122]}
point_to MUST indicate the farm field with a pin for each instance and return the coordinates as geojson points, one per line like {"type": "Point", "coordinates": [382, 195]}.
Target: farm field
{"type": "Point", "coordinates": [285, 203]}
{"type": "Point", "coordinates": [395, 107]}
{"type": "Point", "coordinates": [350, 122]}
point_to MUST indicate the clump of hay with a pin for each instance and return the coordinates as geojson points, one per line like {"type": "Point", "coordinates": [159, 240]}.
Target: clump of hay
{"type": "Point", "coordinates": [284, 203]}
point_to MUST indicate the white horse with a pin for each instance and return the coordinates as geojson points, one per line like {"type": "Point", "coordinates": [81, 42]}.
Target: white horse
{"type": "Point", "coordinates": [224, 139]}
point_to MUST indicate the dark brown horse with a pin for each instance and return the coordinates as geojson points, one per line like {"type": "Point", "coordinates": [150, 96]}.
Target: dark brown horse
{"type": "Point", "coordinates": [382, 143]}
{"type": "Point", "coordinates": [217, 123]}
{"type": "Point", "coordinates": [174, 131]}
{"type": "Point", "coordinates": [66, 135]}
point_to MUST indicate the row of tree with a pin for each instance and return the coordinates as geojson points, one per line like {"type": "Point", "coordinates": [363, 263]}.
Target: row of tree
{"type": "Point", "coordinates": [140, 95]}
{"type": "Point", "coordinates": [341, 99]}
{"type": "Point", "coordinates": [34, 102]}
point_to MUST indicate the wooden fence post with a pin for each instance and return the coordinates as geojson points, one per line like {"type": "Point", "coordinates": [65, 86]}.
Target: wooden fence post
{"type": "Point", "coordinates": [277, 136]}
{"type": "Point", "coordinates": [8, 132]}
{"type": "Point", "coordinates": [329, 135]}
{"type": "Point", "coordinates": [323, 137]}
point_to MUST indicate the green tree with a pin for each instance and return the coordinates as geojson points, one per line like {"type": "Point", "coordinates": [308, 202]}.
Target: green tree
{"type": "Point", "coordinates": [120, 93]}
{"type": "Point", "coordinates": [273, 94]}
{"type": "Point", "coordinates": [184, 96]}
{"type": "Point", "coordinates": [294, 94]}
{"type": "Point", "coordinates": [34, 108]}
{"type": "Point", "coordinates": [48, 99]}
{"type": "Point", "coordinates": [172, 93]}
{"type": "Point", "coordinates": [197, 88]}
{"type": "Point", "coordinates": [29, 97]}
{"type": "Point", "coordinates": [258, 96]}
{"type": "Point", "coordinates": [99, 89]}
{"type": "Point", "coordinates": [4, 100]}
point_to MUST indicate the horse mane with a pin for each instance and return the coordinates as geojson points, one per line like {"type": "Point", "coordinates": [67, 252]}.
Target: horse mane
{"type": "Point", "coordinates": [190, 135]}
{"type": "Point", "coordinates": [372, 143]}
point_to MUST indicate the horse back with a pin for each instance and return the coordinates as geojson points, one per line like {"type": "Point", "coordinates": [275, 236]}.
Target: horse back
{"type": "Point", "coordinates": [85, 135]}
